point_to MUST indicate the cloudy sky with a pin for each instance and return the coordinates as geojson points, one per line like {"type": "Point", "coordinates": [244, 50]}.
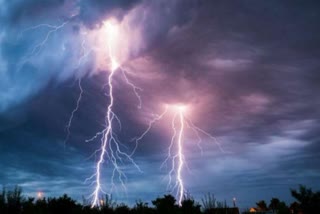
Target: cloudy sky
{"type": "Point", "coordinates": [247, 72]}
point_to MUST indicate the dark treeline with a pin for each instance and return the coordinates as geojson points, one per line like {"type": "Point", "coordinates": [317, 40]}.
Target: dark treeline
{"type": "Point", "coordinates": [13, 202]}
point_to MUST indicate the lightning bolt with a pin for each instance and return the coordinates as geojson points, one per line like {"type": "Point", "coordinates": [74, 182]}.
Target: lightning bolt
{"type": "Point", "coordinates": [105, 140]}
{"type": "Point", "coordinates": [52, 29]}
{"type": "Point", "coordinates": [73, 112]}
{"type": "Point", "coordinates": [178, 156]}
{"type": "Point", "coordinates": [134, 88]}
{"type": "Point", "coordinates": [175, 155]}
{"type": "Point", "coordinates": [37, 49]}
{"type": "Point", "coordinates": [198, 130]}
{"type": "Point", "coordinates": [110, 145]}
{"type": "Point", "coordinates": [150, 125]}
{"type": "Point", "coordinates": [39, 46]}
{"type": "Point", "coordinates": [84, 53]}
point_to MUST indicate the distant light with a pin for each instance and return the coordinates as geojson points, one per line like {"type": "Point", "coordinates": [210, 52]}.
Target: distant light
{"type": "Point", "coordinates": [40, 195]}
{"type": "Point", "coordinates": [252, 210]}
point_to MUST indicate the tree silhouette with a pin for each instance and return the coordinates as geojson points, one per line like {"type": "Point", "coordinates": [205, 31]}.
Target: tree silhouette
{"type": "Point", "coordinates": [262, 205]}
{"type": "Point", "coordinates": [14, 201]}
{"type": "Point", "coordinates": [309, 201]}
{"type": "Point", "coordinates": [108, 204]}
{"type": "Point", "coordinates": [274, 204]}
{"type": "Point", "coordinates": [208, 202]}
{"type": "Point", "coordinates": [28, 206]}
{"type": "Point", "coordinates": [3, 204]}
{"type": "Point", "coordinates": [41, 206]}
{"type": "Point", "coordinates": [122, 209]}
{"type": "Point", "coordinates": [165, 204]}
{"type": "Point", "coordinates": [63, 204]}
{"type": "Point", "coordinates": [283, 208]}
{"type": "Point", "coordinates": [189, 206]}
{"type": "Point", "coordinates": [142, 208]}
{"type": "Point", "coordinates": [295, 207]}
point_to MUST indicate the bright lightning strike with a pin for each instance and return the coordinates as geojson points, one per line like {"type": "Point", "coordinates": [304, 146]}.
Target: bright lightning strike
{"type": "Point", "coordinates": [178, 158]}
{"type": "Point", "coordinates": [176, 153]}
{"type": "Point", "coordinates": [110, 144]}
{"type": "Point", "coordinates": [177, 139]}
{"type": "Point", "coordinates": [104, 140]}
{"type": "Point", "coordinates": [180, 155]}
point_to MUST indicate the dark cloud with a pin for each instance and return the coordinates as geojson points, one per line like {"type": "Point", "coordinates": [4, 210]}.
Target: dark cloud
{"type": "Point", "coordinates": [95, 11]}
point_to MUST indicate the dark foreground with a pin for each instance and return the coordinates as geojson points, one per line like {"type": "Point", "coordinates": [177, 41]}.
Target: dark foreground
{"type": "Point", "coordinates": [13, 202]}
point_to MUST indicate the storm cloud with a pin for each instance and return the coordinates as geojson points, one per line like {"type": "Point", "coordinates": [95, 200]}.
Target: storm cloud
{"type": "Point", "coordinates": [248, 72]}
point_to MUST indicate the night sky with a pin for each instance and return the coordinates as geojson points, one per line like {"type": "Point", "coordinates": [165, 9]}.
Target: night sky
{"type": "Point", "coordinates": [248, 72]}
